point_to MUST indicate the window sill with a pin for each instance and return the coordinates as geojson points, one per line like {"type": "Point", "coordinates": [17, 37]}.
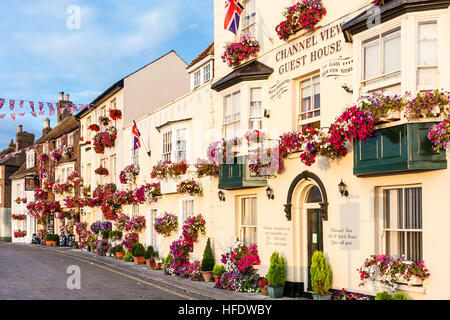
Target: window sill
{"type": "Point", "coordinates": [402, 287]}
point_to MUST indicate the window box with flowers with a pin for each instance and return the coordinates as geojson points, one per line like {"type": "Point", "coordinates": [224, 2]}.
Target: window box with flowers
{"type": "Point", "coordinates": [94, 127]}
{"type": "Point", "coordinates": [392, 272]}
{"type": "Point", "coordinates": [237, 52]}
{"type": "Point", "coordinates": [20, 234]}
{"type": "Point", "coordinates": [304, 15]}
{"type": "Point", "coordinates": [169, 175]}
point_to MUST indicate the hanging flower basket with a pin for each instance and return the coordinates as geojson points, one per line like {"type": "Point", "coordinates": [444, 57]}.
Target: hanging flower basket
{"type": "Point", "coordinates": [20, 234]}
{"type": "Point", "coordinates": [237, 52]}
{"type": "Point", "coordinates": [304, 14]}
{"type": "Point", "coordinates": [102, 171]}
{"type": "Point", "coordinates": [56, 155]}
{"type": "Point", "coordinates": [43, 157]}
{"type": "Point", "coordinates": [206, 168]}
{"type": "Point", "coordinates": [439, 135]}
{"type": "Point", "coordinates": [67, 151]}
{"type": "Point", "coordinates": [19, 217]}
{"type": "Point", "coordinates": [129, 174]}
{"type": "Point", "coordinates": [189, 187]}
{"type": "Point", "coordinates": [94, 127]}
{"type": "Point", "coordinates": [166, 224]}
{"type": "Point", "coordinates": [104, 120]}
{"type": "Point", "coordinates": [115, 114]}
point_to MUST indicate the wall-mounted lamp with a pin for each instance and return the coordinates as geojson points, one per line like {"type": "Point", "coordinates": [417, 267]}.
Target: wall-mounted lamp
{"type": "Point", "coordinates": [266, 113]}
{"type": "Point", "coordinates": [221, 195]}
{"type": "Point", "coordinates": [347, 89]}
{"type": "Point", "coordinates": [343, 189]}
{"type": "Point", "coordinates": [269, 193]}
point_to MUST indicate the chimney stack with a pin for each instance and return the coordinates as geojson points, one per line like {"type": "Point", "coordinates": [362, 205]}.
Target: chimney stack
{"type": "Point", "coordinates": [65, 114]}
{"type": "Point", "coordinates": [11, 144]}
{"type": "Point", "coordinates": [61, 96]}
{"type": "Point", "coordinates": [67, 97]}
{"type": "Point", "coordinates": [47, 127]}
{"type": "Point", "coordinates": [23, 139]}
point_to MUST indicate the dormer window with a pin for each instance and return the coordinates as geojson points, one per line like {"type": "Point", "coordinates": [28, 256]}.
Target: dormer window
{"type": "Point", "coordinates": [206, 73]}
{"type": "Point", "coordinates": [197, 78]}
{"type": "Point", "coordinates": [30, 159]}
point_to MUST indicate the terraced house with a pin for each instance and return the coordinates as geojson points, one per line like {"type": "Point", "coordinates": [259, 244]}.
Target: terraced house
{"type": "Point", "coordinates": [296, 138]}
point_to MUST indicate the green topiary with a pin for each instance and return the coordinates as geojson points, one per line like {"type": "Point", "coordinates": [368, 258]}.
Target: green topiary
{"type": "Point", "coordinates": [208, 258]}
{"type": "Point", "coordinates": [56, 237]}
{"type": "Point", "coordinates": [128, 257]}
{"type": "Point", "coordinates": [138, 250]}
{"type": "Point", "coordinates": [49, 237]}
{"type": "Point", "coordinates": [218, 270]}
{"type": "Point", "coordinates": [320, 274]}
{"type": "Point", "coordinates": [276, 276]}
{"type": "Point", "coordinates": [117, 248]}
{"type": "Point", "coordinates": [149, 252]}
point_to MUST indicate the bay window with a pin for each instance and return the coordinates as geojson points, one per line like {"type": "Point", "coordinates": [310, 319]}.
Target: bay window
{"type": "Point", "coordinates": [427, 64]}
{"type": "Point", "coordinates": [232, 115]}
{"type": "Point", "coordinates": [256, 111]}
{"type": "Point", "coordinates": [167, 146]}
{"type": "Point", "coordinates": [382, 57]}
{"type": "Point", "coordinates": [180, 145]}
{"type": "Point", "coordinates": [175, 144]}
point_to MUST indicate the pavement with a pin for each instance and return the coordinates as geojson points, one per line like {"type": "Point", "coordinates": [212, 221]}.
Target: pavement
{"type": "Point", "coordinates": [137, 278]}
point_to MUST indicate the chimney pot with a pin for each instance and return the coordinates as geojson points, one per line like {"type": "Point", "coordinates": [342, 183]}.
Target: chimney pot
{"type": "Point", "coordinates": [20, 128]}
{"type": "Point", "coordinates": [47, 122]}
{"type": "Point", "coordinates": [61, 95]}
{"type": "Point", "coordinates": [67, 97]}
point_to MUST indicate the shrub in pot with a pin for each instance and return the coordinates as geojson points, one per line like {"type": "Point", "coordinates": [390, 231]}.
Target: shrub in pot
{"type": "Point", "coordinates": [387, 296]}
{"type": "Point", "coordinates": [105, 235]}
{"type": "Point", "coordinates": [138, 252]}
{"type": "Point", "coordinates": [49, 239]}
{"type": "Point", "coordinates": [148, 256]}
{"type": "Point", "coordinates": [276, 276]}
{"type": "Point", "coordinates": [55, 240]}
{"type": "Point", "coordinates": [320, 272]}
{"type": "Point", "coordinates": [207, 262]}
{"type": "Point", "coordinates": [118, 251]}
{"type": "Point", "coordinates": [217, 272]}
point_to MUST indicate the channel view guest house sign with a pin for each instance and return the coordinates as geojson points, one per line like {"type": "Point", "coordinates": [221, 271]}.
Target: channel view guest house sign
{"type": "Point", "coordinates": [310, 49]}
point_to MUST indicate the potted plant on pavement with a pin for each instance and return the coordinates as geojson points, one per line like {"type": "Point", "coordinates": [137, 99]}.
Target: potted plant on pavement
{"type": "Point", "coordinates": [148, 256]}
{"type": "Point", "coordinates": [138, 252]}
{"type": "Point", "coordinates": [128, 257]}
{"type": "Point", "coordinates": [105, 235]}
{"type": "Point", "coordinates": [118, 251]}
{"type": "Point", "coordinates": [217, 272]}
{"type": "Point", "coordinates": [207, 262]}
{"type": "Point", "coordinates": [156, 261]}
{"type": "Point", "coordinates": [320, 272]}
{"type": "Point", "coordinates": [276, 276]}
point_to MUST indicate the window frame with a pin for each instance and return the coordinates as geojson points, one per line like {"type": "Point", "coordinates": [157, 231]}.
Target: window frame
{"type": "Point", "coordinates": [259, 118]}
{"type": "Point", "coordinates": [251, 17]}
{"type": "Point", "coordinates": [300, 112]}
{"type": "Point", "coordinates": [422, 67]}
{"type": "Point", "coordinates": [233, 122]}
{"type": "Point", "coordinates": [197, 78]}
{"type": "Point", "coordinates": [169, 147]}
{"type": "Point", "coordinates": [206, 72]}
{"type": "Point", "coordinates": [383, 231]}
{"type": "Point", "coordinates": [241, 226]}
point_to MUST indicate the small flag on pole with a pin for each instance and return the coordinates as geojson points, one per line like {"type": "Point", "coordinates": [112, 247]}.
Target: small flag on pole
{"type": "Point", "coordinates": [137, 136]}
{"type": "Point", "coordinates": [233, 15]}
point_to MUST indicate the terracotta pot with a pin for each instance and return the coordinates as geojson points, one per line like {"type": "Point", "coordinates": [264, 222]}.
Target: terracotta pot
{"type": "Point", "coordinates": [139, 260]}
{"type": "Point", "coordinates": [48, 243]}
{"type": "Point", "coordinates": [264, 291]}
{"type": "Point", "coordinates": [149, 263]}
{"type": "Point", "coordinates": [216, 278]}
{"type": "Point", "coordinates": [119, 255]}
{"type": "Point", "coordinates": [157, 266]}
{"type": "Point", "coordinates": [54, 243]}
{"type": "Point", "coordinates": [207, 275]}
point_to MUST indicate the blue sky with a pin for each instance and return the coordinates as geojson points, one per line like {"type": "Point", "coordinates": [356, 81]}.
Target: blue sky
{"type": "Point", "coordinates": [43, 51]}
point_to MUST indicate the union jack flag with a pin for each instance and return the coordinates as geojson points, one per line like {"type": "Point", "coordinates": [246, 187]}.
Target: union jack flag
{"type": "Point", "coordinates": [137, 136]}
{"type": "Point", "coordinates": [233, 15]}
{"type": "Point", "coordinates": [42, 172]}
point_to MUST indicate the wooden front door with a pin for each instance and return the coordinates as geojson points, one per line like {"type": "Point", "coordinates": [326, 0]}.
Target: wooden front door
{"type": "Point", "coordinates": [315, 241]}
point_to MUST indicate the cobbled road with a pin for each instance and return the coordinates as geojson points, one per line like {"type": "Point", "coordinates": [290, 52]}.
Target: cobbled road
{"type": "Point", "coordinates": [27, 273]}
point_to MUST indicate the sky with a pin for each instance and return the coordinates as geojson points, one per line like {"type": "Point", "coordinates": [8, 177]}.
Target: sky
{"type": "Point", "coordinates": [82, 47]}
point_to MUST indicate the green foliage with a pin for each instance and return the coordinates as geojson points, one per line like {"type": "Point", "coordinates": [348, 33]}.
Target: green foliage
{"type": "Point", "coordinates": [49, 237]}
{"type": "Point", "coordinates": [276, 276]}
{"type": "Point", "coordinates": [128, 257]}
{"type": "Point", "coordinates": [218, 270]}
{"type": "Point", "coordinates": [166, 261]}
{"type": "Point", "coordinates": [320, 273]}
{"type": "Point", "coordinates": [138, 250]}
{"type": "Point", "coordinates": [115, 235]}
{"type": "Point", "coordinates": [117, 248]}
{"type": "Point", "coordinates": [56, 237]}
{"type": "Point", "coordinates": [400, 296]}
{"type": "Point", "coordinates": [387, 296]}
{"type": "Point", "coordinates": [208, 258]}
{"type": "Point", "coordinates": [105, 234]}
{"type": "Point", "coordinates": [75, 245]}
{"type": "Point", "coordinates": [149, 252]}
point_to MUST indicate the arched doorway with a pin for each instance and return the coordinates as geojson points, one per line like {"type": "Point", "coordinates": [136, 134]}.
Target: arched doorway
{"type": "Point", "coordinates": [307, 208]}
